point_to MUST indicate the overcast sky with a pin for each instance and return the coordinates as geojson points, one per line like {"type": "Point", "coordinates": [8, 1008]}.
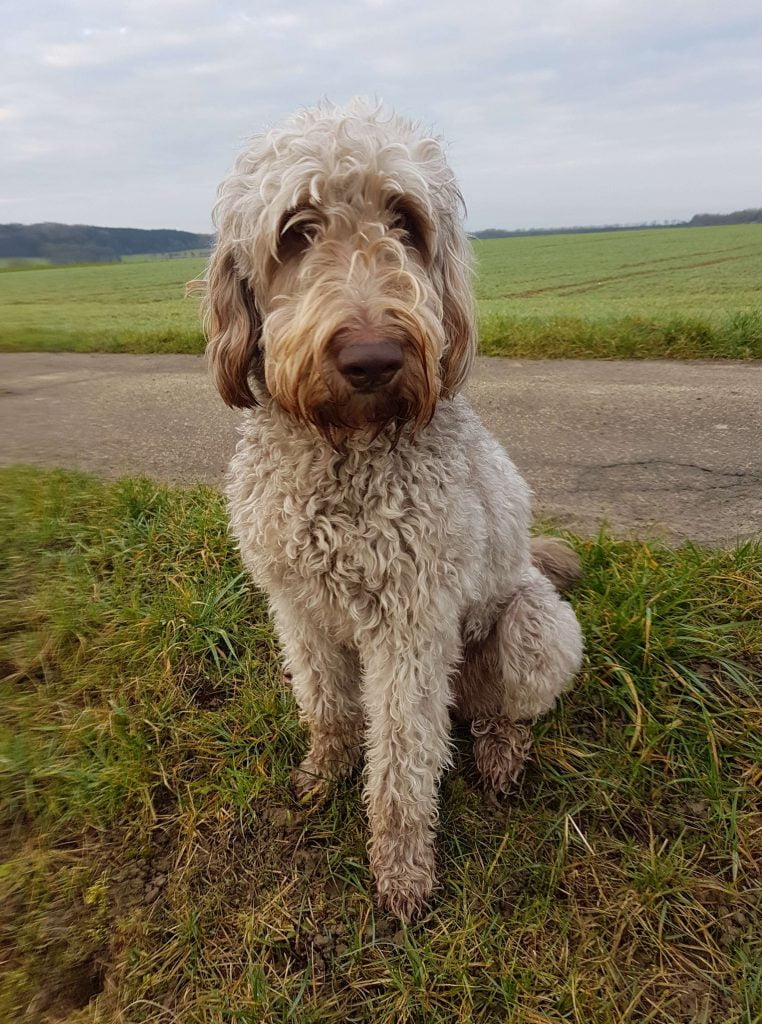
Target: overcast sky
{"type": "Point", "coordinates": [557, 112]}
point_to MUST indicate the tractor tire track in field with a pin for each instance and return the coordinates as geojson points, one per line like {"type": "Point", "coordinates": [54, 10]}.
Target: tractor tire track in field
{"type": "Point", "coordinates": [692, 255]}
{"type": "Point", "coordinates": [578, 287]}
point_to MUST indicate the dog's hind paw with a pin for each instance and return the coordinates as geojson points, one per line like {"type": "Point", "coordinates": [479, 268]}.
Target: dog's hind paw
{"type": "Point", "coordinates": [501, 749]}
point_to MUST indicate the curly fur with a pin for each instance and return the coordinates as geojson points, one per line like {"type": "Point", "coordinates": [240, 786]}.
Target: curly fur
{"type": "Point", "coordinates": [389, 529]}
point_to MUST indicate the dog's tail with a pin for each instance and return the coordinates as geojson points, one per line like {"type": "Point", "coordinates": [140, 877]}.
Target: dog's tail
{"type": "Point", "coordinates": [557, 560]}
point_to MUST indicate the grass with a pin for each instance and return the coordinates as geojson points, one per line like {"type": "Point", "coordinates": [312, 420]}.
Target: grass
{"type": "Point", "coordinates": [678, 292]}
{"type": "Point", "coordinates": [155, 866]}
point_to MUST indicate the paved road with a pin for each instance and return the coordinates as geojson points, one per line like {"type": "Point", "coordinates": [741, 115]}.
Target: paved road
{"type": "Point", "coordinates": [665, 448]}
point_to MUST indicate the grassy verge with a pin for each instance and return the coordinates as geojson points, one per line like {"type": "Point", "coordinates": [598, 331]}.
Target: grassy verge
{"type": "Point", "coordinates": [737, 336]}
{"type": "Point", "coordinates": [155, 866]}
{"type": "Point", "coordinates": [732, 336]}
{"type": "Point", "coordinates": [145, 341]}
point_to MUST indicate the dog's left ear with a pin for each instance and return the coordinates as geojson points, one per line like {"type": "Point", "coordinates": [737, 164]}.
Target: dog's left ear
{"type": "Point", "coordinates": [232, 327]}
{"type": "Point", "coordinates": [457, 309]}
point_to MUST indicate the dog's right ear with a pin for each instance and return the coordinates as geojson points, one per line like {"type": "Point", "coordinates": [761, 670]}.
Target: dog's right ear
{"type": "Point", "coordinates": [455, 260]}
{"type": "Point", "coordinates": [233, 327]}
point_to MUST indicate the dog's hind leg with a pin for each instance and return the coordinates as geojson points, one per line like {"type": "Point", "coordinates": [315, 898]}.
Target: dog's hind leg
{"type": "Point", "coordinates": [515, 674]}
{"type": "Point", "coordinates": [325, 678]}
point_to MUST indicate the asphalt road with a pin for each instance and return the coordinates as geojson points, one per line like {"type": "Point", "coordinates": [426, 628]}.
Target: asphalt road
{"type": "Point", "coordinates": [670, 449]}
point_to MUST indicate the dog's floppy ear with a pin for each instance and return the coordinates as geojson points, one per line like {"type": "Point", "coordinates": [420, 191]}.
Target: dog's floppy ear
{"type": "Point", "coordinates": [457, 309]}
{"type": "Point", "coordinates": [233, 327]}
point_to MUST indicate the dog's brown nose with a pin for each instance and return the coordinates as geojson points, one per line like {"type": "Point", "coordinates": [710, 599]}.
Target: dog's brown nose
{"type": "Point", "coordinates": [369, 364]}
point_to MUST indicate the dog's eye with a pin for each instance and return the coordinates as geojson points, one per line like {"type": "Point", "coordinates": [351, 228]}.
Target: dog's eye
{"type": "Point", "coordinates": [297, 233]}
{"type": "Point", "coordinates": [407, 222]}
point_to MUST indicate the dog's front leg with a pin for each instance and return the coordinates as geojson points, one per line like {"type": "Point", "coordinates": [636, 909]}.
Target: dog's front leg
{"type": "Point", "coordinates": [325, 678]}
{"type": "Point", "coordinates": [406, 695]}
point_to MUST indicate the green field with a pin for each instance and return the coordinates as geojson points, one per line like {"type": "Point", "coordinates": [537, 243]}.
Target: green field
{"type": "Point", "coordinates": [690, 292]}
{"type": "Point", "coordinates": [155, 866]}
{"type": "Point", "coordinates": [683, 292]}
{"type": "Point", "coordinates": [114, 307]}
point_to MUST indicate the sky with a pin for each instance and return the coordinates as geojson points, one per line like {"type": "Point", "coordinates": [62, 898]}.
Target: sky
{"type": "Point", "coordinates": [555, 112]}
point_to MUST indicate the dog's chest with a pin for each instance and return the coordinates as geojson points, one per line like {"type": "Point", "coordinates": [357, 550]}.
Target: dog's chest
{"type": "Point", "coordinates": [345, 532]}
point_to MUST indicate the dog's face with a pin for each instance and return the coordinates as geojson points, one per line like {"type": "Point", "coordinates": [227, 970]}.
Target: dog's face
{"type": "Point", "coordinates": [339, 285]}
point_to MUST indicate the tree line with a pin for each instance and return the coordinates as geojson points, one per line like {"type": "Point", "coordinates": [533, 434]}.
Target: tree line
{"type": "Point", "coordinates": [698, 220]}
{"type": "Point", "coordinates": [84, 243]}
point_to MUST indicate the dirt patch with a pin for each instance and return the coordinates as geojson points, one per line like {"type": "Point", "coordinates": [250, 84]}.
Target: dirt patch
{"type": "Point", "coordinates": [70, 991]}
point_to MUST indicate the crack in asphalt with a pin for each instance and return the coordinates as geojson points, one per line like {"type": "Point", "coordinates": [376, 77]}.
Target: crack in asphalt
{"type": "Point", "coordinates": [675, 462]}
{"type": "Point", "coordinates": [740, 478]}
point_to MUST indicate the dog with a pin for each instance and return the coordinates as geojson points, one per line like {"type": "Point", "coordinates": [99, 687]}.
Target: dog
{"type": "Point", "coordinates": [388, 528]}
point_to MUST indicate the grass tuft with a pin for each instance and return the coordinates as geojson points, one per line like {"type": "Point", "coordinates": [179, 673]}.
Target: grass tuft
{"type": "Point", "coordinates": [156, 867]}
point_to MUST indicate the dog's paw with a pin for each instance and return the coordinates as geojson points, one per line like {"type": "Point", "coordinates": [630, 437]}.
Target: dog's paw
{"type": "Point", "coordinates": [501, 750]}
{"type": "Point", "coordinates": [309, 784]}
{"type": "Point", "coordinates": [323, 765]}
{"type": "Point", "coordinates": [405, 897]}
{"type": "Point", "coordinates": [404, 873]}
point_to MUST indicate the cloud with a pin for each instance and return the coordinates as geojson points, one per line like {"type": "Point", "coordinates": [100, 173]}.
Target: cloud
{"type": "Point", "coordinates": [566, 112]}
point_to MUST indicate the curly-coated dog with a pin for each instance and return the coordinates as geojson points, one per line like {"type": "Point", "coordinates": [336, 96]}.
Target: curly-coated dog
{"type": "Point", "coordinates": [389, 529]}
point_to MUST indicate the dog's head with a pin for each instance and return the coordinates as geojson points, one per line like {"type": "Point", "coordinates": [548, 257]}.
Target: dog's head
{"type": "Point", "coordinates": [340, 281]}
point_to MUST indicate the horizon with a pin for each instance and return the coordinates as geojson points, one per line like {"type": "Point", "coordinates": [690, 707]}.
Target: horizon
{"type": "Point", "coordinates": [613, 225]}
